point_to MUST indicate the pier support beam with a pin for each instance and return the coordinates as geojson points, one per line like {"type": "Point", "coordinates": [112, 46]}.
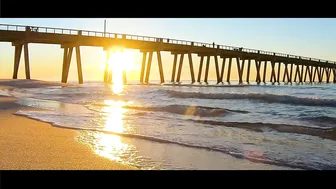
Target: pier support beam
{"type": "Point", "coordinates": [297, 73]}
{"type": "Point", "coordinates": [191, 68]}
{"type": "Point", "coordinates": [17, 57]}
{"type": "Point", "coordinates": [26, 58]}
{"type": "Point", "coordinates": [229, 71]}
{"type": "Point", "coordinates": [106, 71]}
{"type": "Point", "coordinates": [322, 73]}
{"type": "Point", "coordinates": [222, 70]}
{"type": "Point", "coordinates": [264, 76]}
{"type": "Point", "coordinates": [240, 69]}
{"type": "Point", "coordinates": [286, 73]}
{"type": "Point", "coordinates": [310, 70]}
{"type": "Point", "coordinates": [200, 69]}
{"type": "Point", "coordinates": [291, 73]}
{"type": "Point", "coordinates": [143, 66]}
{"type": "Point", "coordinates": [109, 73]}
{"type": "Point", "coordinates": [174, 68]}
{"type": "Point", "coordinates": [79, 65]}
{"type": "Point", "coordinates": [149, 66]}
{"type": "Point", "coordinates": [328, 71]}
{"type": "Point", "coordinates": [68, 50]}
{"type": "Point", "coordinates": [207, 69]}
{"type": "Point", "coordinates": [279, 67]}
{"type": "Point", "coordinates": [258, 65]}
{"type": "Point", "coordinates": [66, 63]}
{"type": "Point", "coordinates": [305, 75]}
{"type": "Point", "coordinates": [315, 71]}
{"type": "Point", "coordinates": [178, 79]}
{"type": "Point", "coordinates": [334, 72]}
{"type": "Point", "coordinates": [248, 71]}
{"type": "Point", "coordinates": [273, 78]}
{"type": "Point", "coordinates": [158, 53]}
{"type": "Point", "coordinates": [327, 74]}
{"type": "Point", "coordinates": [319, 74]}
{"type": "Point", "coordinates": [301, 73]}
{"type": "Point", "coordinates": [217, 69]}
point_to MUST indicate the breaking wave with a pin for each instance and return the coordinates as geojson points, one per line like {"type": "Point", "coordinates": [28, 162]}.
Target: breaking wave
{"type": "Point", "coordinates": [327, 133]}
{"type": "Point", "coordinates": [324, 121]}
{"type": "Point", "coordinates": [200, 111]}
{"type": "Point", "coordinates": [263, 97]}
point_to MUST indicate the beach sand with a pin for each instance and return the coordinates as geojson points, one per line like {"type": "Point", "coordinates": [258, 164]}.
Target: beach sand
{"type": "Point", "coordinates": [27, 144]}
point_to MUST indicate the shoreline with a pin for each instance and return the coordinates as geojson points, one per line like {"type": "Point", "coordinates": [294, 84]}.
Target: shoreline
{"type": "Point", "coordinates": [43, 148]}
{"type": "Point", "coordinates": [27, 144]}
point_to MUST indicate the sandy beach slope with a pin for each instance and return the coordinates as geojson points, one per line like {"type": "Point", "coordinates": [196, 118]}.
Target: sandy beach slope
{"type": "Point", "coordinates": [27, 144]}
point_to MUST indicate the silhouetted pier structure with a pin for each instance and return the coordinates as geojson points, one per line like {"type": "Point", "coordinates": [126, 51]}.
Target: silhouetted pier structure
{"type": "Point", "coordinates": [305, 69]}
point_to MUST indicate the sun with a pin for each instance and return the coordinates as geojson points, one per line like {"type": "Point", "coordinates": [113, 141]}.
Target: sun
{"type": "Point", "coordinates": [120, 62]}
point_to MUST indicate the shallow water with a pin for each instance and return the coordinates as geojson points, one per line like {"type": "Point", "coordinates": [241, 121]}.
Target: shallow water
{"type": "Point", "coordinates": [183, 127]}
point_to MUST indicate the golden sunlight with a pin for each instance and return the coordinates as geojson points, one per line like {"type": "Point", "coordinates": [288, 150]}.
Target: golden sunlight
{"type": "Point", "coordinates": [114, 118]}
{"type": "Point", "coordinates": [120, 61]}
{"type": "Point", "coordinates": [108, 145]}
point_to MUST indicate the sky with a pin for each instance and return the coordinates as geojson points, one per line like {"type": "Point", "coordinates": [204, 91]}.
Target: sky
{"type": "Point", "coordinates": [308, 37]}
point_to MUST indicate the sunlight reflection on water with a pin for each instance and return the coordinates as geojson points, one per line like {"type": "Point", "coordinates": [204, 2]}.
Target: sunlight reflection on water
{"type": "Point", "coordinates": [112, 146]}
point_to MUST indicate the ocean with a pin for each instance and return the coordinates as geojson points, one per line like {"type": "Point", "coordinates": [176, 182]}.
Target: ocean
{"type": "Point", "coordinates": [196, 127]}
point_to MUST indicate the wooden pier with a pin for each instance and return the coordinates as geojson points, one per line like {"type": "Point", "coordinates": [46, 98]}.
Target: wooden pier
{"type": "Point", "coordinates": [296, 68]}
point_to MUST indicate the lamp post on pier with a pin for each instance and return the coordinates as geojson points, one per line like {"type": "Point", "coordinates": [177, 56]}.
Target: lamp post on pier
{"type": "Point", "coordinates": [105, 28]}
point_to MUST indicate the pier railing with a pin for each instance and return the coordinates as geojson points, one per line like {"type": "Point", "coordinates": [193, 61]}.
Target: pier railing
{"type": "Point", "coordinates": [150, 39]}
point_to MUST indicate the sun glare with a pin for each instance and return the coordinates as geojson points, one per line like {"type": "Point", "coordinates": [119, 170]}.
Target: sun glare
{"type": "Point", "coordinates": [120, 61]}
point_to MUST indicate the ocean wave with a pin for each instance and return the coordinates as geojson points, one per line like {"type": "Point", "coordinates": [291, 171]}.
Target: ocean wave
{"type": "Point", "coordinates": [200, 111]}
{"type": "Point", "coordinates": [230, 151]}
{"type": "Point", "coordinates": [324, 121]}
{"type": "Point", "coordinates": [263, 97]}
{"type": "Point", "coordinates": [185, 110]}
{"type": "Point", "coordinates": [326, 133]}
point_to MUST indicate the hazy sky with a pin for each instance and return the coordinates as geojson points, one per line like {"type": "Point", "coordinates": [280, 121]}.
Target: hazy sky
{"type": "Point", "coordinates": [306, 37]}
